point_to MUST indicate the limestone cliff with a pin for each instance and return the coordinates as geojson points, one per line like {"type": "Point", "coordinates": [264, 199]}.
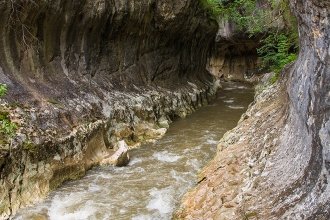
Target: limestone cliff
{"type": "Point", "coordinates": [275, 163]}
{"type": "Point", "coordinates": [84, 75]}
{"type": "Point", "coordinates": [234, 54]}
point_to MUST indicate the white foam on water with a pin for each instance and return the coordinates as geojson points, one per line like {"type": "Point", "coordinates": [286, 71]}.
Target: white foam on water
{"type": "Point", "coordinates": [162, 201]}
{"type": "Point", "coordinates": [139, 170]}
{"type": "Point", "coordinates": [122, 211]}
{"type": "Point", "coordinates": [236, 107]}
{"type": "Point", "coordinates": [210, 141]}
{"type": "Point", "coordinates": [64, 209]}
{"type": "Point", "coordinates": [228, 101]}
{"type": "Point", "coordinates": [180, 176]}
{"type": "Point", "coordinates": [242, 87]}
{"type": "Point", "coordinates": [166, 156]}
{"type": "Point", "coordinates": [128, 202]}
{"type": "Point", "coordinates": [119, 169]}
{"type": "Point", "coordinates": [229, 88]}
{"type": "Point", "coordinates": [191, 148]}
{"type": "Point", "coordinates": [105, 175]}
{"type": "Point", "coordinates": [106, 217]}
{"type": "Point", "coordinates": [187, 150]}
{"type": "Point", "coordinates": [135, 161]}
{"type": "Point", "coordinates": [194, 163]}
{"type": "Point", "coordinates": [33, 213]}
{"type": "Point", "coordinates": [94, 188]}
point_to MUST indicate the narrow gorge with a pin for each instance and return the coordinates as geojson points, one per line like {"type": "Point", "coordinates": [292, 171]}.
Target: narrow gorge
{"type": "Point", "coordinates": [84, 75]}
{"type": "Point", "coordinates": [158, 173]}
{"type": "Point", "coordinates": [88, 81]}
{"type": "Point", "coordinates": [275, 163]}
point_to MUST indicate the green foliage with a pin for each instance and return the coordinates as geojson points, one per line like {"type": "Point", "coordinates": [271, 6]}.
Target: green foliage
{"type": "Point", "coordinates": [30, 147]}
{"type": "Point", "coordinates": [211, 8]}
{"type": "Point", "coordinates": [248, 16]}
{"type": "Point", "coordinates": [7, 128]}
{"type": "Point", "coordinates": [279, 47]}
{"type": "Point", "coordinates": [274, 78]}
{"type": "Point", "coordinates": [3, 89]}
{"type": "Point", "coordinates": [278, 50]}
{"type": "Point", "coordinates": [242, 12]}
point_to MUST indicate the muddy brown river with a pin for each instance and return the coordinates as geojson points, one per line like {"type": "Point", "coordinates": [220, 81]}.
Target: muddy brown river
{"type": "Point", "coordinates": [158, 175]}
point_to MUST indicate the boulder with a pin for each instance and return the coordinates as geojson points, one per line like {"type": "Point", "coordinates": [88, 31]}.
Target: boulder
{"type": "Point", "coordinates": [120, 157]}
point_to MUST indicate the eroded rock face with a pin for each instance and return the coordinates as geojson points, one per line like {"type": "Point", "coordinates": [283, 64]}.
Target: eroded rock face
{"type": "Point", "coordinates": [234, 56]}
{"type": "Point", "coordinates": [86, 75]}
{"type": "Point", "coordinates": [87, 48]}
{"type": "Point", "coordinates": [274, 164]}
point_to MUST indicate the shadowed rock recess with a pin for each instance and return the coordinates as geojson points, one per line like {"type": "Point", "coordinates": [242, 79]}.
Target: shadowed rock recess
{"type": "Point", "coordinates": [275, 163]}
{"type": "Point", "coordinates": [84, 75]}
{"type": "Point", "coordinates": [234, 55]}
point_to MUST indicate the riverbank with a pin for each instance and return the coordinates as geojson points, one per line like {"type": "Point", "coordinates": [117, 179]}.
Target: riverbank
{"type": "Point", "coordinates": [84, 76]}
{"type": "Point", "coordinates": [29, 173]}
{"type": "Point", "coordinates": [275, 163]}
{"type": "Point", "coordinates": [235, 175]}
{"type": "Point", "coordinates": [157, 175]}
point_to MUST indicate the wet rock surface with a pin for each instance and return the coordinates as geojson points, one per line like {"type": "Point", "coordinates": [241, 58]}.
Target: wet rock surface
{"type": "Point", "coordinates": [84, 75]}
{"type": "Point", "coordinates": [274, 164]}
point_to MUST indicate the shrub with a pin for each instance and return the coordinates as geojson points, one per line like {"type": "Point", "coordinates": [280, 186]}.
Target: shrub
{"type": "Point", "coordinates": [7, 128]}
{"type": "Point", "coordinates": [278, 50]}
{"type": "Point", "coordinates": [279, 45]}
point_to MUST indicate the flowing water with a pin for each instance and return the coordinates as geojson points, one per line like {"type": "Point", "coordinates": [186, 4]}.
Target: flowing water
{"type": "Point", "coordinates": [158, 175]}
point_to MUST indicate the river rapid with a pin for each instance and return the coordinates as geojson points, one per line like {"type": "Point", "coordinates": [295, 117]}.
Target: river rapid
{"type": "Point", "coordinates": [158, 175]}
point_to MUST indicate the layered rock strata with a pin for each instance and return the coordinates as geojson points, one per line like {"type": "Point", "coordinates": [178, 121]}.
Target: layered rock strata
{"type": "Point", "coordinates": [84, 75]}
{"type": "Point", "coordinates": [275, 163]}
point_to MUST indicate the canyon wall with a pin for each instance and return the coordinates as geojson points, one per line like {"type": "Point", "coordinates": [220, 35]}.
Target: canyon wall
{"type": "Point", "coordinates": [234, 56]}
{"type": "Point", "coordinates": [275, 163]}
{"type": "Point", "coordinates": [84, 75]}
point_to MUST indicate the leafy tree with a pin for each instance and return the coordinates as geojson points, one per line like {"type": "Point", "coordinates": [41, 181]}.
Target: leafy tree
{"type": "Point", "coordinates": [273, 21]}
